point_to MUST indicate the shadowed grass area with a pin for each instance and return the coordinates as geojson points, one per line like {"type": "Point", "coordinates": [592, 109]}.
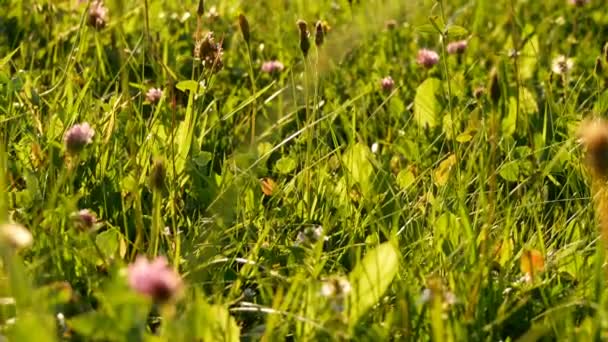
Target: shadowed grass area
{"type": "Point", "coordinates": [297, 170]}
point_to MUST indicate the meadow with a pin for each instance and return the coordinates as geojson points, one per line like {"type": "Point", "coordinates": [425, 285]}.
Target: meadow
{"type": "Point", "coordinates": [292, 170]}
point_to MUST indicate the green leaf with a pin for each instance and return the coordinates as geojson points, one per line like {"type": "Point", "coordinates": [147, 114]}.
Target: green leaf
{"type": "Point", "coordinates": [189, 85]}
{"type": "Point", "coordinates": [509, 171]}
{"type": "Point", "coordinates": [371, 278]}
{"type": "Point", "coordinates": [357, 160]}
{"type": "Point", "coordinates": [7, 58]}
{"type": "Point", "coordinates": [426, 28]}
{"type": "Point", "coordinates": [426, 105]}
{"type": "Point", "coordinates": [455, 31]}
{"type": "Point", "coordinates": [108, 242]}
{"type": "Point", "coordinates": [185, 133]}
{"type": "Point", "coordinates": [405, 179]}
{"type": "Point", "coordinates": [286, 165]}
{"type": "Point", "coordinates": [31, 326]}
{"type": "Point", "coordinates": [203, 322]}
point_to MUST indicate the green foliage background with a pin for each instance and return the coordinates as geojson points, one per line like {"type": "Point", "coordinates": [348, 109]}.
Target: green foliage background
{"type": "Point", "coordinates": [474, 164]}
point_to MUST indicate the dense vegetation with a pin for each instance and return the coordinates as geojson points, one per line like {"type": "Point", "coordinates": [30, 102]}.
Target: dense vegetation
{"type": "Point", "coordinates": [302, 170]}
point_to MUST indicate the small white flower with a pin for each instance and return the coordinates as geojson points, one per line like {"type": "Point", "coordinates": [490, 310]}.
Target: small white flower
{"type": "Point", "coordinates": [375, 147]}
{"type": "Point", "coordinates": [15, 235]}
{"type": "Point", "coordinates": [562, 65]}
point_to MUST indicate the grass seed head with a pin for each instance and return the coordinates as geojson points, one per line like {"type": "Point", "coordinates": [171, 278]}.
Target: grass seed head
{"type": "Point", "coordinates": [244, 26]}
{"type": "Point", "coordinates": [319, 34]}
{"type": "Point", "coordinates": [158, 174]}
{"type": "Point", "coordinates": [304, 43]}
{"type": "Point", "coordinates": [200, 10]}
{"type": "Point", "coordinates": [209, 52]}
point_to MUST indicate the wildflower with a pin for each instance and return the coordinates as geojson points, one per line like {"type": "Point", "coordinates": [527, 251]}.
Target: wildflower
{"type": "Point", "coordinates": [427, 58]}
{"type": "Point", "coordinates": [98, 15]}
{"type": "Point", "coordinates": [154, 279]}
{"type": "Point", "coordinates": [304, 43]}
{"type": "Point", "coordinates": [209, 52]}
{"type": "Point", "coordinates": [387, 83]}
{"type": "Point", "coordinates": [594, 137]}
{"type": "Point", "coordinates": [457, 47]}
{"type": "Point", "coordinates": [375, 148]}
{"type": "Point", "coordinates": [85, 219]}
{"type": "Point", "coordinates": [272, 67]}
{"type": "Point", "coordinates": [153, 95]}
{"type": "Point", "coordinates": [244, 26]}
{"type": "Point", "coordinates": [578, 2]}
{"type": "Point", "coordinates": [310, 235]}
{"type": "Point", "coordinates": [336, 289]}
{"type": "Point", "coordinates": [77, 137]}
{"type": "Point", "coordinates": [213, 14]}
{"type": "Point", "coordinates": [562, 65]}
{"type": "Point", "coordinates": [15, 236]}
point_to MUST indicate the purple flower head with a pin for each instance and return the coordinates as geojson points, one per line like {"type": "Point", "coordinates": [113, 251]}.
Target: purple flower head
{"type": "Point", "coordinates": [427, 58]}
{"type": "Point", "coordinates": [153, 95]}
{"type": "Point", "coordinates": [457, 47]}
{"type": "Point", "coordinates": [578, 2]}
{"type": "Point", "coordinates": [387, 83]}
{"type": "Point", "coordinates": [77, 137]}
{"type": "Point", "coordinates": [272, 67]}
{"type": "Point", "coordinates": [154, 279]}
{"type": "Point", "coordinates": [85, 219]}
{"type": "Point", "coordinates": [98, 14]}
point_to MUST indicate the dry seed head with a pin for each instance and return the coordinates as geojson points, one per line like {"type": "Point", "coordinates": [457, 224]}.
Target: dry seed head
{"type": "Point", "coordinates": [200, 10]}
{"type": "Point", "coordinates": [494, 87]}
{"type": "Point", "coordinates": [593, 134]}
{"type": "Point", "coordinates": [244, 25]}
{"type": "Point", "coordinates": [158, 174]}
{"type": "Point", "coordinates": [209, 52]}
{"type": "Point", "coordinates": [302, 26]}
{"type": "Point", "coordinates": [598, 69]}
{"type": "Point", "coordinates": [319, 34]}
{"type": "Point", "coordinates": [304, 43]}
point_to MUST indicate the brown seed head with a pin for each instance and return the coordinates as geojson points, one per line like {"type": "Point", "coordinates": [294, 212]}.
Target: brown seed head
{"type": "Point", "coordinates": [593, 134]}
{"type": "Point", "coordinates": [302, 26]}
{"type": "Point", "coordinates": [494, 87]}
{"type": "Point", "coordinates": [158, 174]}
{"type": "Point", "coordinates": [304, 43]}
{"type": "Point", "coordinates": [244, 25]}
{"type": "Point", "coordinates": [200, 10]}
{"type": "Point", "coordinates": [209, 52]}
{"type": "Point", "coordinates": [319, 34]}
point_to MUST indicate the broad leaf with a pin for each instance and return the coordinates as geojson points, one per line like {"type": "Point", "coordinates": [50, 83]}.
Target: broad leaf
{"type": "Point", "coordinates": [371, 278]}
{"type": "Point", "coordinates": [426, 105]}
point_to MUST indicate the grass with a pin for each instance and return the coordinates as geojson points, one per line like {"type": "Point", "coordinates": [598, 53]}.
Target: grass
{"type": "Point", "coordinates": [308, 203]}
